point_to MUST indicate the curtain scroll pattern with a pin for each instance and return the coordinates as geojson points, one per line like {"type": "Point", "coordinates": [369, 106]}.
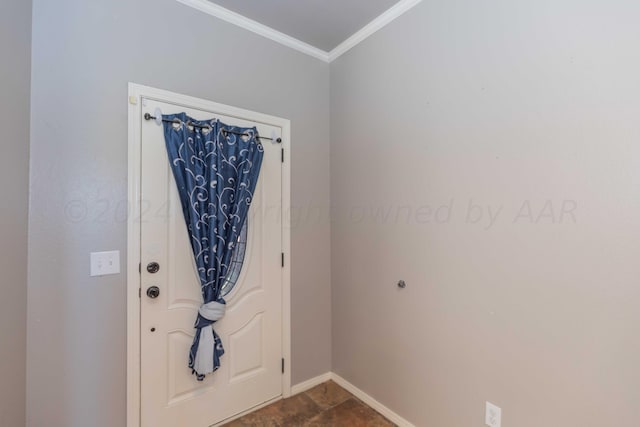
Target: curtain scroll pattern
{"type": "Point", "coordinates": [216, 173]}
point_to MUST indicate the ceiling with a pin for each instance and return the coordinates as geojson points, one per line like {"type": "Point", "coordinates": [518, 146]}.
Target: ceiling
{"type": "Point", "coordinates": [323, 24]}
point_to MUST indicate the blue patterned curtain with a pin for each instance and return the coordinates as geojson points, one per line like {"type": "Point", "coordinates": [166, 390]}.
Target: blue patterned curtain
{"type": "Point", "coordinates": [216, 171]}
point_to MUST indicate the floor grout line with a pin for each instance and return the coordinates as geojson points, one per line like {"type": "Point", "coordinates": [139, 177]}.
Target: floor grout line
{"type": "Point", "coordinates": [313, 412]}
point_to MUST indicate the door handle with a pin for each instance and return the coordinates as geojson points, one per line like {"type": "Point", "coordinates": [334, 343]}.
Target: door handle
{"type": "Point", "coordinates": [153, 292]}
{"type": "Point", "coordinates": [153, 267]}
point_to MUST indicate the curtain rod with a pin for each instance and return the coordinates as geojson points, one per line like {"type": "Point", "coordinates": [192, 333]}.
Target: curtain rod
{"type": "Point", "coordinates": [148, 116]}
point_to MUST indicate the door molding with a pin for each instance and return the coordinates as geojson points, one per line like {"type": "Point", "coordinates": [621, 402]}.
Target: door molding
{"type": "Point", "coordinates": [136, 95]}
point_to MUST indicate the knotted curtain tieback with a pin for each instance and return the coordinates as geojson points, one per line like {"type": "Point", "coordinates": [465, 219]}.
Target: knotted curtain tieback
{"type": "Point", "coordinates": [214, 311]}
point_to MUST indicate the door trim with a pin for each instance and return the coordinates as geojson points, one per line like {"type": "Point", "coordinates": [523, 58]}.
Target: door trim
{"type": "Point", "coordinates": [136, 95]}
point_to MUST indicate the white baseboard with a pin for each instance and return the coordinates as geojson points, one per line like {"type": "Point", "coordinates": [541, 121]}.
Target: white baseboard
{"type": "Point", "coordinates": [370, 401]}
{"type": "Point", "coordinates": [373, 403]}
{"type": "Point", "coordinates": [310, 383]}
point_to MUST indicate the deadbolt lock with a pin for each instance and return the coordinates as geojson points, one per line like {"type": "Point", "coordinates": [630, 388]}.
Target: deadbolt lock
{"type": "Point", "coordinates": [153, 267]}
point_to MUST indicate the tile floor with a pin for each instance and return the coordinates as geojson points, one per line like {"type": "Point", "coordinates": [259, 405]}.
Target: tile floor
{"type": "Point", "coordinates": [327, 404]}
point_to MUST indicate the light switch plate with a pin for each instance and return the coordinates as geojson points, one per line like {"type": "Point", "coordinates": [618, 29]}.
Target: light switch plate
{"type": "Point", "coordinates": [103, 263]}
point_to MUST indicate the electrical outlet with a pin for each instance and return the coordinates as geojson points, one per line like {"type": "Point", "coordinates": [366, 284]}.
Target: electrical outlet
{"type": "Point", "coordinates": [493, 415]}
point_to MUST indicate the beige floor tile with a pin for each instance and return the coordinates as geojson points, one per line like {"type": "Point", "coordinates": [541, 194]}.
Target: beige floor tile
{"type": "Point", "coordinates": [287, 412]}
{"type": "Point", "coordinates": [351, 413]}
{"type": "Point", "coordinates": [326, 405]}
{"type": "Point", "coordinates": [328, 394]}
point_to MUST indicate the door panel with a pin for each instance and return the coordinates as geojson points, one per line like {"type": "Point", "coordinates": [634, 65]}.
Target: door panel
{"type": "Point", "coordinates": [251, 330]}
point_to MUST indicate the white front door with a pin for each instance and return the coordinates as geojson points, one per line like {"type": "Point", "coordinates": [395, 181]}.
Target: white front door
{"type": "Point", "coordinates": [251, 331]}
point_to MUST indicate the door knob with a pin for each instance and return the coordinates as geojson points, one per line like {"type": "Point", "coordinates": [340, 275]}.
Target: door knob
{"type": "Point", "coordinates": [153, 292]}
{"type": "Point", "coordinates": [153, 267]}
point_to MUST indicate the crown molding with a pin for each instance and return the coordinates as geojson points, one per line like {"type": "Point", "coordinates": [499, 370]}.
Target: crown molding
{"type": "Point", "coordinates": [249, 24]}
{"type": "Point", "coordinates": [381, 21]}
{"type": "Point", "coordinates": [256, 27]}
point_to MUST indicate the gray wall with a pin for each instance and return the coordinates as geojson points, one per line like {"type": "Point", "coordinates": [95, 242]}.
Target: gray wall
{"type": "Point", "coordinates": [493, 103]}
{"type": "Point", "coordinates": [15, 76]}
{"type": "Point", "coordinates": [84, 55]}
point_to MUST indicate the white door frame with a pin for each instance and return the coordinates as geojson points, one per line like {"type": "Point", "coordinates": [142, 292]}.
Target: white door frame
{"type": "Point", "coordinates": [136, 95]}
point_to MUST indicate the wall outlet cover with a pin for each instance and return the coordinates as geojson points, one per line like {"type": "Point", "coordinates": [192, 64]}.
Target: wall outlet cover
{"type": "Point", "coordinates": [493, 415]}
